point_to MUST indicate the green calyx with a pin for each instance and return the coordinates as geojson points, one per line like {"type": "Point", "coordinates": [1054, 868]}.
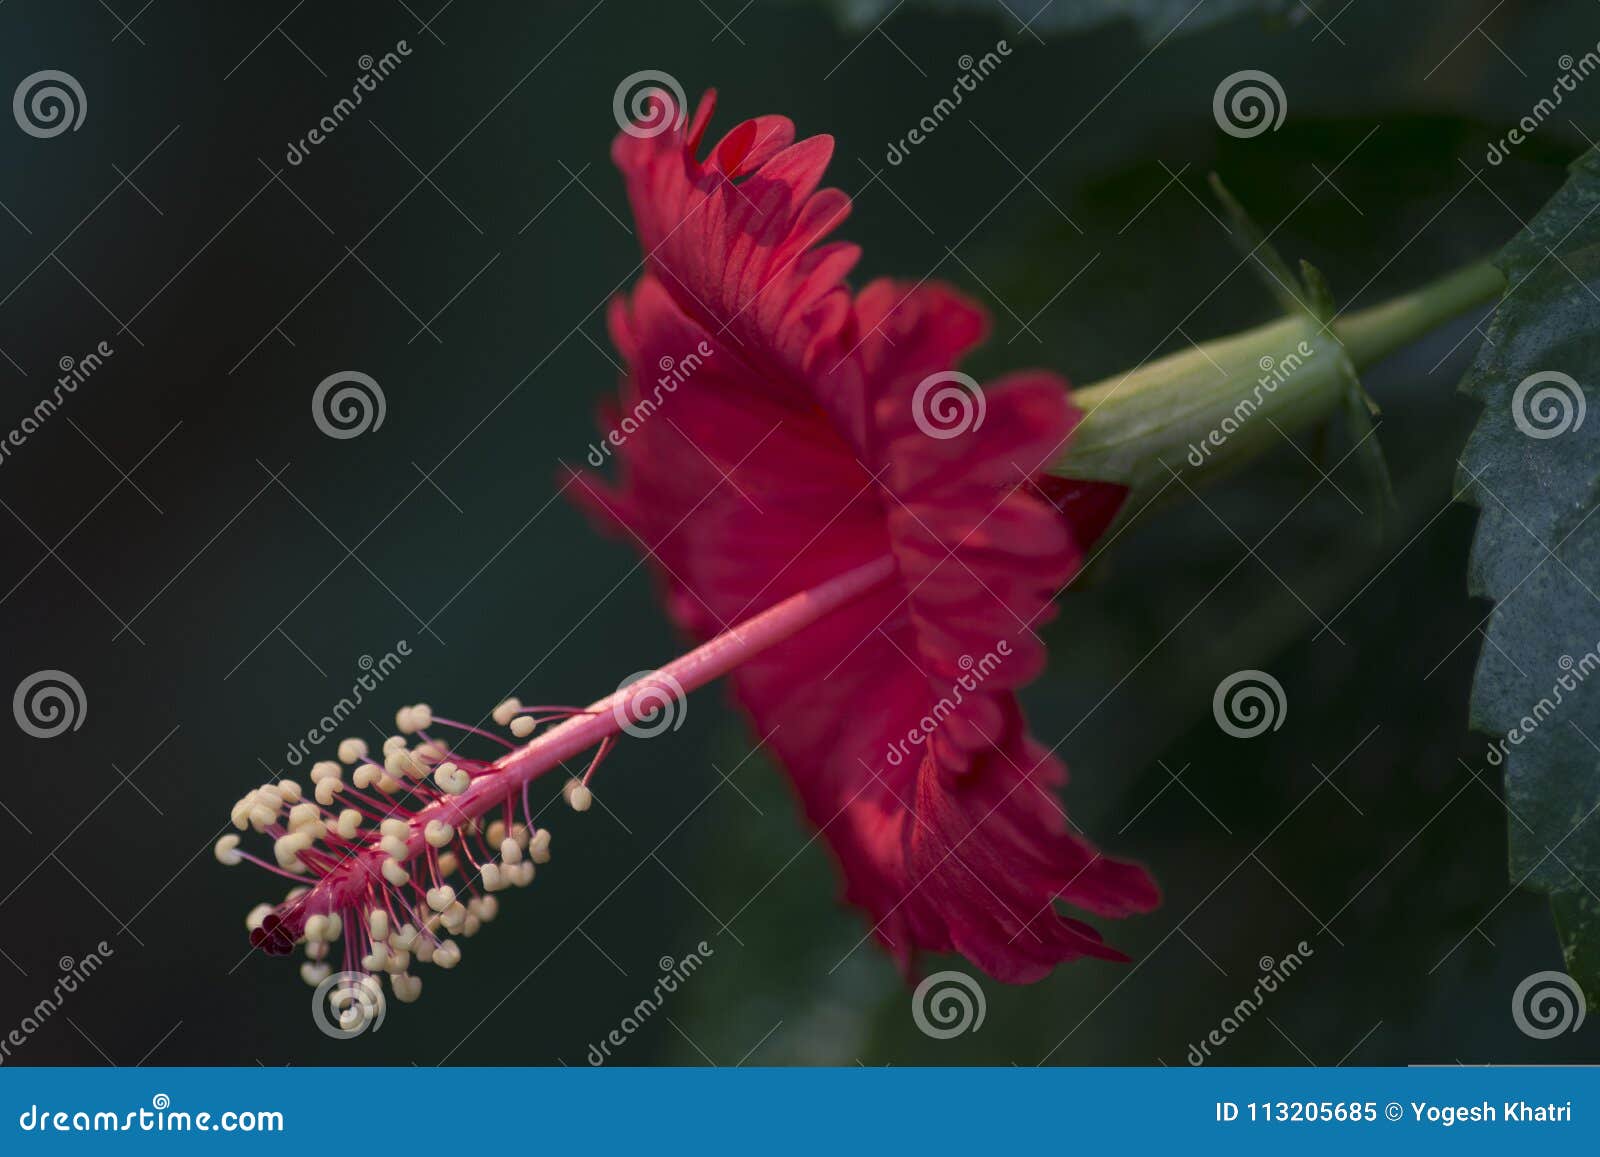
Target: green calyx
{"type": "Point", "coordinates": [1199, 413]}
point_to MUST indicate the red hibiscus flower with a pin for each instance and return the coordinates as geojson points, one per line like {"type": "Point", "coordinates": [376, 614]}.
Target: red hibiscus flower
{"type": "Point", "coordinates": [866, 542]}
{"type": "Point", "coordinates": [774, 431]}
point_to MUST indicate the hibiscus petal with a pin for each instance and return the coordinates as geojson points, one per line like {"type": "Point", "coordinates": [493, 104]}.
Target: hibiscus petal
{"type": "Point", "coordinates": [795, 450]}
{"type": "Point", "coordinates": [991, 854]}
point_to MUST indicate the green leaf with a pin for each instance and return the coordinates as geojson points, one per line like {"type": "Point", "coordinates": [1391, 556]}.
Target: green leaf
{"type": "Point", "coordinates": [1154, 19]}
{"type": "Point", "coordinates": [1532, 466]}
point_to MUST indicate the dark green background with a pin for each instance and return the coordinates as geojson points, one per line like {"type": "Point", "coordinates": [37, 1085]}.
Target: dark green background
{"type": "Point", "coordinates": [501, 115]}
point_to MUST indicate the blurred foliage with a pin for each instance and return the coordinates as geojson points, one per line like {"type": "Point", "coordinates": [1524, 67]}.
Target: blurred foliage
{"type": "Point", "coordinates": [1153, 19]}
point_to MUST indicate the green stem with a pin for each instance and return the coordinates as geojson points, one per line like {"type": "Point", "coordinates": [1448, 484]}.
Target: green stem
{"type": "Point", "coordinates": [1208, 409]}
{"type": "Point", "coordinates": [1373, 333]}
